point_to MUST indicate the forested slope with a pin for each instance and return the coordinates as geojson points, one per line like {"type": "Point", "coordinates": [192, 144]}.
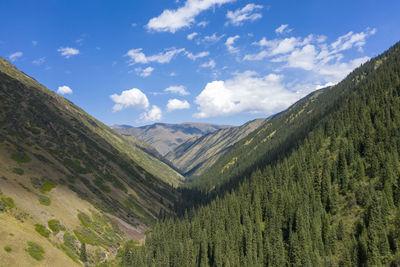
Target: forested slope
{"type": "Point", "coordinates": [325, 193]}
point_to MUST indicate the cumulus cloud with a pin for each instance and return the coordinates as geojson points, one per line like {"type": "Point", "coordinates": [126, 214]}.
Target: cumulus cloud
{"type": "Point", "coordinates": [210, 64]}
{"type": "Point", "coordinates": [192, 35]}
{"type": "Point", "coordinates": [68, 52]}
{"type": "Point", "coordinates": [230, 42]}
{"type": "Point", "coordinates": [64, 90]}
{"type": "Point", "coordinates": [248, 12]}
{"type": "Point", "coordinates": [312, 53]}
{"type": "Point", "coordinates": [175, 104]}
{"type": "Point", "coordinates": [246, 92]}
{"type": "Point", "coordinates": [146, 72]}
{"type": "Point", "coordinates": [196, 56]}
{"type": "Point", "coordinates": [180, 90]}
{"type": "Point", "coordinates": [137, 56]}
{"type": "Point", "coordinates": [39, 61]}
{"type": "Point", "coordinates": [173, 20]}
{"type": "Point", "coordinates": [14, 56]}
{"type": "Point", "coordinates": [284, 28]}
{"type": "Point", "coordinates": [154, 114]}
{"type": "Point", "coordinates": [133, 98]}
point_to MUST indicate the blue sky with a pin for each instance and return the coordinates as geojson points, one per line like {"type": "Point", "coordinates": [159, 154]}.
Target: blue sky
{"type": "Point", "coordinates": [221, 61]}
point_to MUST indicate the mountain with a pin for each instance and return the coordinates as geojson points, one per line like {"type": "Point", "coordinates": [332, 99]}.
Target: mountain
{"type": "Point", "coordinates": [165, 137]}
{"type": "Point", "coordinates": [197, 154]}
{"type": "Point", "coordinates": [318, 185]}
{"type": "Point", "coordinates": [66, 180]}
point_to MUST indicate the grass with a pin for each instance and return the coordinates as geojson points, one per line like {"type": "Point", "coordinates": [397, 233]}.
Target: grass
{"type": "Point", "coordinates": [47, 185]}
{"type": "Point", "coordinates": [35, 250]}
{"type": "Point", "coordinates": [18, 171]}
{"type": "Point", "coordinates": [55, 226]}
{"type": "Point", "coordinates": [21, 157]}
{"type": "Point", "coordinates": [44, 200]}
{"type": "Point", "coordinates": [42, 230]}
{"type": "Point", "coordinates": [7, 248]}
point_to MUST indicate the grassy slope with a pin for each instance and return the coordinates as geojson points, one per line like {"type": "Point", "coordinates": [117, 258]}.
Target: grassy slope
{"type": "Point", "coordinates": [197, 154]}
{"type": "Point", "coordinates": [45, 138]}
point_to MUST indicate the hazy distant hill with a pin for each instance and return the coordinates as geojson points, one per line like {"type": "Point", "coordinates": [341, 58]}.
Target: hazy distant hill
{"type": "Point", "coordinates": [165, 137]}
{"type": "Point", "coordinates": [197, 154]}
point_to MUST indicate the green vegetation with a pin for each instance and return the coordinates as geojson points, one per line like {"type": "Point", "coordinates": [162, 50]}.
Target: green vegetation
{"type": "Point", "coordinates": [82, 255]}
{"type": "Point", "coordinates": [47, 185]}
{"type": "Point", "coordinates": [44, 200]}
{"type": "Point", "coordinates": [21, 157]}
{"type": "Point", "coordinates": [42, 230]}
{"type": "Point", "coordinates": [321, 190]}
{"type": "Point", "coordinates": [8, 201]}
{"type": "Point", "coordinates": [55, 226]}
{"type": "Point", "coordinates": [18, 171]}
{"type": "Point", "coordinates": [7, 248]}
{"type": "Point", "coordinates": [35, 250]}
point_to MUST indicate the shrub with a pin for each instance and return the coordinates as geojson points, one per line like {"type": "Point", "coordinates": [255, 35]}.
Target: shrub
{"type": "Point", "coordinates": [18, 171]}
{"type": "Point", "coordinates": [35, 250]}
{"type": "Point", "coordinates": [8, 201]}
{"type": "Point", "coordinates": [7, 248]}
{"type": "Point", "coordinates": [42, 230]}
{"type": "Point", "coordinates": [47, 185]}
{"type": "Point", "coordinates": [56, 226]}
{"type": "Point", "coordinates": [21, 157]}
{"type": "Point", "coordinates": [44, 200]}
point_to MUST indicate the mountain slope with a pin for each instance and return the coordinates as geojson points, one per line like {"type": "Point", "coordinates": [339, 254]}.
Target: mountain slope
{"type": "Point", "coordinates": [165, 137]}
{"type": "Point", "coordinates": [59, 163]}
{"type": "Point", "coordinates": [324, 192]}
{"type": "Point", "coordinates": [196, 155]}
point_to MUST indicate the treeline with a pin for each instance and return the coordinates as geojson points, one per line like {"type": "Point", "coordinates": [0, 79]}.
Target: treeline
{"type": "Point", "coordinates": [333, 199]}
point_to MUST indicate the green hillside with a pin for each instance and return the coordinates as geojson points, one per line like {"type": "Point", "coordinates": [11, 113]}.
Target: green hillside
{"type": "Point", "coordinates": [322, 186]}
{"type": "Point", "coordinates": [196, 155]}
{"type": "Point", "coordinates": [66, 179]}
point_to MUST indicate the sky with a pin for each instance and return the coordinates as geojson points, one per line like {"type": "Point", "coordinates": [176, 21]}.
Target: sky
{"type": "Point", "coordinates": [173, 61]}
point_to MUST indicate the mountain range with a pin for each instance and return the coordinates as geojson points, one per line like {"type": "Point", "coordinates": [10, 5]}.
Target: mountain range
{"type": "Point", "coordinates": [314, 185]}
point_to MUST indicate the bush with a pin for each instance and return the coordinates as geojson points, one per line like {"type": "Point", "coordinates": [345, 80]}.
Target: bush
{"type": "Point", "coordinates": [7, 248]}
{"type": "Point", "coordinates": [56, 226]}
{"type": "Point", "coordinates": [44, 200]}
{"type": "Point", "coordinates": [35, 250]}
{"type": "Point", "coordinates": [21, 157]}
{"type": "Point", "coordinates": [42, 230]}
{"type": "Point", "coordinates": [18, 171]}
{"type": "Point", "coordinates": [47, 185]}
{"type": "Point", "coordinates": [8, 201]}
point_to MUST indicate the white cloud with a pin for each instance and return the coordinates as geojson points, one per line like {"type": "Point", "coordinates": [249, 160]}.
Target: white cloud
{"type": "Point", "coordinates": [212, 38]}
{"type": "Point", "coordinates": [173, 20]}
{"type": "Point", "coordinates": [283, 29]}
{"type": "Point", "coordinates": [14, 56]}
{"type": "Point", "coordinates": [198, 55]}
{"type": "Point", "coordinates": [133, 25]}
{"type": "Point", "coordinates": [35, 43]}
{"type": "Point", "coordinates": [64, 90]}
{"type": "Point", "coordinates": [68, 52]}
{"type": "Point", "coordinates": [244, 93]}
{"type": "Point", "coordinates": [351, 39]}
{"type": "Point", "coordinates": [133, 98]}
{"type": "Point", "coordinates": [230, 42]}
{"type": "Point", "coordinates": [210, 64]}
{"type": "Point", "coordinates": [324, 85]}
{"type": "Point", "coordinates": [192, 35]}
{"type": "Point", "coordinates": [175, 104]}
{"type": "Point", "coordinates": [39, 61]}
{"type": "Point", "coordinates": [154, 114]}
{"type": "Point", "coordinates": [177, 90]}
{"type": "Point", "coordinates": [202, 23]}
{"type": "Point", "coordinates": [144, 72]}
{"type": "Point", "coordinates": [238, 16]}
{"type": "Point", "coordinates": [137, 56]}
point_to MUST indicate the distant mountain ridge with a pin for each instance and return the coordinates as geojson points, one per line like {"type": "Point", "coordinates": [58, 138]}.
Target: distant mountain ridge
{"type": "Point", "coordinates": [165, 137]}
{"type": "Point", "coordinates": [197, 154]}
